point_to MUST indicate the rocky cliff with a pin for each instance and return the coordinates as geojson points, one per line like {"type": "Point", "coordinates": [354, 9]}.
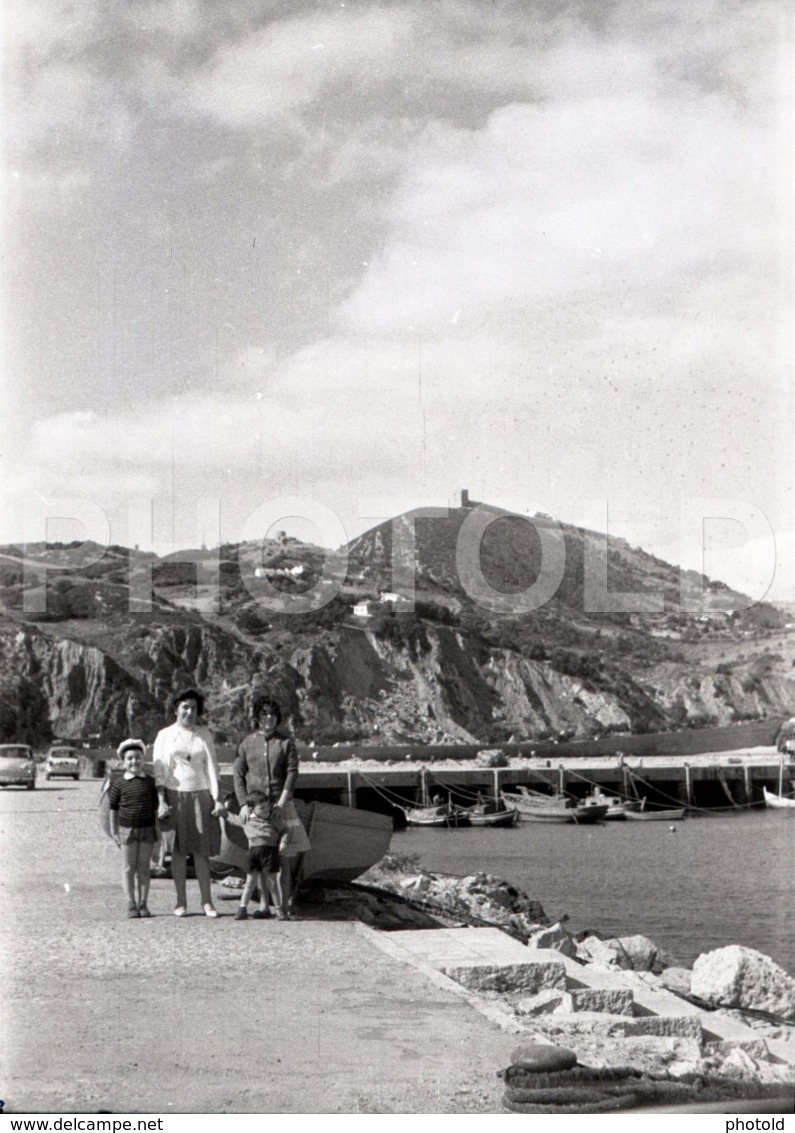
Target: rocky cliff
{"type": "Point", "coordinates": [349, 685]}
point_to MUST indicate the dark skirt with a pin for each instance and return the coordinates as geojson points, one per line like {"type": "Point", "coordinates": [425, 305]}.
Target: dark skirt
{"type": "Point", "coordinates": [196, 831]}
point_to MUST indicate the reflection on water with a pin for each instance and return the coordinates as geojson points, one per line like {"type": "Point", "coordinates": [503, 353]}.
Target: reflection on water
{"type": "Point", "coordinates": [707, 882]}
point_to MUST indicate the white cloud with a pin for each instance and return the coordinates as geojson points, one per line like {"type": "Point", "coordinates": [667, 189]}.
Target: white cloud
{"type": "Point", "coordinates": [564, 201]}
{"type": "Point", "coordinates": [505, 247]}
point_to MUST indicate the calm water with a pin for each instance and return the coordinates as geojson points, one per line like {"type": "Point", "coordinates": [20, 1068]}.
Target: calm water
{"type": "Point", "coordinates": [710, 882]}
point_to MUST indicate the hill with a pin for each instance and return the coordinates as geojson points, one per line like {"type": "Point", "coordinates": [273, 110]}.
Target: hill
{"type": "Point", "coordinates": [471, 662]}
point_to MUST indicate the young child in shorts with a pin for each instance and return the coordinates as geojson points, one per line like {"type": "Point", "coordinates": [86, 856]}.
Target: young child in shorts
{"type": "Point", "coordinates": [265, 829]}
{"type": "Point", "coordinates": [133, 817]}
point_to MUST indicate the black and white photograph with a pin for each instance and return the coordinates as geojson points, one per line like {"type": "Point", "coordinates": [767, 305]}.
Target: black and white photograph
{"type": "Point", "coordinates": [397, 529]}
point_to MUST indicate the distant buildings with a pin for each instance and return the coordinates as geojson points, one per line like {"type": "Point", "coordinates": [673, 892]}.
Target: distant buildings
{"type": "Point", "coordinates": [393, 601]}
{"type": "Point", "coordinates": [296, 571]}
{"type": "Point", "coordinates": [387, 600]}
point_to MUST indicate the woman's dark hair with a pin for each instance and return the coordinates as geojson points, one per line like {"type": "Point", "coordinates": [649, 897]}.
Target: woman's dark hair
{"type": "Point", "coordinates": [189, 694]}
{"type": "Point", "coordinates": [259, 704]}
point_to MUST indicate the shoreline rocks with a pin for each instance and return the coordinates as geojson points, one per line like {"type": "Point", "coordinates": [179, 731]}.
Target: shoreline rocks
{"type": "Point", "coordinates": [606, 1028]}
{"type": "Point", "coordinates": [477, 899]}
{"type": "Point", "coordinates": [741, 977]}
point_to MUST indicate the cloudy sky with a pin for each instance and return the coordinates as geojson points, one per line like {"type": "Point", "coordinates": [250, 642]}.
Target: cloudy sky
{"type": "Point", "coordinates": [345, 251]}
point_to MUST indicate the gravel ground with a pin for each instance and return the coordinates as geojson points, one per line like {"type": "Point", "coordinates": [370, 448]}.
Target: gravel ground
{"type": "Point", "coordinates": [201, 1016]}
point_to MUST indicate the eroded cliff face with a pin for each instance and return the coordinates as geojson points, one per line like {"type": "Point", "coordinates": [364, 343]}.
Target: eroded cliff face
{"type": "Point", "coordinates": [723, 698]}
{"type": "Point", "coordinates": [73, 689]}
{"type": "Point", "coordinates": [352, 684]}
{"type": "Point", "coordinates": [447, 691]}
{"type": "Point", "coordinates": [80, 690]}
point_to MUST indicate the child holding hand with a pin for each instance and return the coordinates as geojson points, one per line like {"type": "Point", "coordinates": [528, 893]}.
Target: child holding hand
{"type": "Point", "coordinates": [133, 816]}
{"type": "Point", "coordinates": [265, 829]}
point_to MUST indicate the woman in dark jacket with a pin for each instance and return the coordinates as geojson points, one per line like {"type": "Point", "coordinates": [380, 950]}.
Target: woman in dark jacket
{"type": "Point", "coordinates": [267, 760]}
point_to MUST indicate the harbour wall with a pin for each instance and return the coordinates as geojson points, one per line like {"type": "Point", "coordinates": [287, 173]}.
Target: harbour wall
{"type": "Point", "coordinates": [759, 733]}
{"type": "Point", "coordinates": [718, 783]}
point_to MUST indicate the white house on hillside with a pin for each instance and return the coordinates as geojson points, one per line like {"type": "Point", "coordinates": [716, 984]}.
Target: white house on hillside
{"type": "Point", "coordinates": [389, 598]}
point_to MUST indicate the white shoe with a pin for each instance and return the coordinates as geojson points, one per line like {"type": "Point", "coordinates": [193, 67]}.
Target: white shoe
{"type": "Point", "coordinates": [210, 911]}
{"type": "Point", "coordinates": [180, 911]}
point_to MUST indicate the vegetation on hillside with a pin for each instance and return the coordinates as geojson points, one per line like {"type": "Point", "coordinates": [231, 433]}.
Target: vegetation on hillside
{"type": "Point", "coordinates": [213, 620]}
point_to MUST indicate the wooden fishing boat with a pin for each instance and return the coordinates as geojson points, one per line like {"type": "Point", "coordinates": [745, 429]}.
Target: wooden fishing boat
{"type": "Point", "coordinates": [548, 815]}
{"type": "Point", "coordinates": [344, 842]}
{"type": "Point", "coordinates": [617, 808]}
{"type": "Point", "coordinates": [534, 807]}
{"type": "Point", "coordinates": [777, 802]}
{"type": "Point", "coordinates": [524, 799]}
{"type": "Point", "coordinates": [445, 815]}
{"type": "Point", "coordinates": [540, 798]}
{"type": "Point", "coordinates": [656, 815]}
{"type": "Point", "coordinates": [482, 815]}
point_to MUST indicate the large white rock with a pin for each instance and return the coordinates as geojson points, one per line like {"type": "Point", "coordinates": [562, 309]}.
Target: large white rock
{"type": "Point", "coordinates": [736, 976]}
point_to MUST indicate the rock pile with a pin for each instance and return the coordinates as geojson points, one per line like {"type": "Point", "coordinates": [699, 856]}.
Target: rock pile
{"type": "Point", "coordinates": [477, 899]}
{"type": "Point", "coordinates": [625, 1054]}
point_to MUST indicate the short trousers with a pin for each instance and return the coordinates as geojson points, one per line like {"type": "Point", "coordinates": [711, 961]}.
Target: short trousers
{"type": "Point", "coordinates": [265, 858]}
{"type": "Point", "coordinates": [129, 834]}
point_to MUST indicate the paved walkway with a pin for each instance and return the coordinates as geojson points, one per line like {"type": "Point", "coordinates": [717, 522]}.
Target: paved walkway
{"type": "Point", "coordinates": [204, 1016]}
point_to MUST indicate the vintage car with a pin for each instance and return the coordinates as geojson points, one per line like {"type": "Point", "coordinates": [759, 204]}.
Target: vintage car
{"type": "Point", "coordinates": [62, 761]}
{"type": "Point", "coordinates": [17, 767]}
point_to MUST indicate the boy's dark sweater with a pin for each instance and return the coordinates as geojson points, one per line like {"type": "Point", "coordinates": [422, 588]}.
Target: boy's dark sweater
{"type": "Point", "coordinates": [135, 800]}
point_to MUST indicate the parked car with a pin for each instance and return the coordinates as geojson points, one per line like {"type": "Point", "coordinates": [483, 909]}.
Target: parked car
{"type": "Point", "coordinates": [62, 761]}
{"type": "Point", "coordinates": [17, 766]}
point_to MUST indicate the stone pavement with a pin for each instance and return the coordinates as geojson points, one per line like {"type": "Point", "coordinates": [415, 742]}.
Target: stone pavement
{"type": "Point", "coordinates": [203, 1016]}
{"type": "Point", "coordinates": [485, 960]}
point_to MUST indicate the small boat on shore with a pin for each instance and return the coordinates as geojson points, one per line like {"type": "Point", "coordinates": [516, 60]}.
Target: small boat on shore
{"type": "Point", "coordinates": [344, 842]}
{"type": "Point", "coordinates": [777, 802]}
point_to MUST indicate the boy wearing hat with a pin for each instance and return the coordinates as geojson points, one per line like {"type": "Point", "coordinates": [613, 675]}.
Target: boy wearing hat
{"type": "Point", "coordinates": [133, 802]}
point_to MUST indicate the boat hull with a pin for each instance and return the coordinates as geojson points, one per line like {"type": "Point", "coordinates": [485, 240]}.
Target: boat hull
{"type": "Point", "coordinates": [777, 802]}
{"type": "Point", "coordinates": [508, 817]}
{"type": "Point", "coordinates": [655, 815]}
{"type": "Point", "coordinates": [561, 817]}
{"type": "Point", "coordinates": [435, 816]}
{"type": "Point", "coordinates": [344, 842]}
{"type": "Point", "coordinates": [617, 808]}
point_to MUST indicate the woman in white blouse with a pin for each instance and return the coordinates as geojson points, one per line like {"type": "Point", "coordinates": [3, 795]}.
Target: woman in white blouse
{"type": "Point", "coordinates": [186, 774]}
